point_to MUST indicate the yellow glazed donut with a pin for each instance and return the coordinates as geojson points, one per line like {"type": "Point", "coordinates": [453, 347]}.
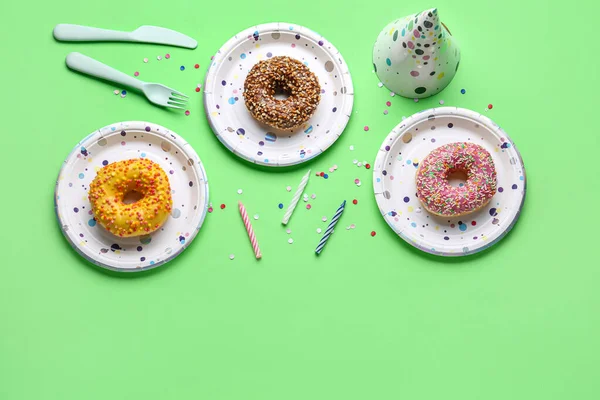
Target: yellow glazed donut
{"type": "Point", "coordinates": [114, 181]}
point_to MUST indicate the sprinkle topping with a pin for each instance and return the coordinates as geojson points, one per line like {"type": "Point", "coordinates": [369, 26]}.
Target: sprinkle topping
{"type": "Point", "coordinates": [114, 181]}
{"type": "Point", "coordinates": [438, 196]}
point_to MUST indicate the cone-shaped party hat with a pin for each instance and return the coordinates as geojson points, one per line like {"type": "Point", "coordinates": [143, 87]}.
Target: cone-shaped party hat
{"type": "Point", "coordinates": [416, 56]}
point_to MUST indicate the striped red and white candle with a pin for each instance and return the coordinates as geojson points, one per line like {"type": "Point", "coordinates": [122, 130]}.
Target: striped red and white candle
{"type": "Point", "coordinates": [250, 231]}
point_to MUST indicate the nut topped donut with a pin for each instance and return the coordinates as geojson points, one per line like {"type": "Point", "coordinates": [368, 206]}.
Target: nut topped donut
{"type": "Point", "coordinates": [293, 78]}
{"type": "Point", "coordinates": [114, 181]}
{"type": "Point", "coordinates": [439, 197]}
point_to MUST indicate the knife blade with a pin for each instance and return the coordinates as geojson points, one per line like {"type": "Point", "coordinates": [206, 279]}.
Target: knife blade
{"type": "Point", "coordinates": [143, 34]}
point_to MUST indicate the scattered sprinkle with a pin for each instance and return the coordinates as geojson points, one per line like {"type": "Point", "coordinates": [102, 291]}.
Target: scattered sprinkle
{"type": "Point", "coordinates": [359, 164]}
{"type": "Point", "coordinates": [368, 166]}
{"type": "Point", "coordinates": [490, 106]}
{"type": "Point", "coordinates": [357, 181]}
{"type": "Point", "coordinates": [199, 85]}
{"type": "Point", "coordinates": [325, 176]}
{"type": "Point", "coordinates": [354, 201]}
{"type": "Point", "coordinates": [145, 60]}
{"type": "Point", "coordinates": [373, 233]}
{"type": "Point", "coordinates": [158, 58]}
{"type": "Point", "coordinates": [187, 112]}
{"type": "Point", "coordinates": [289, 188]}
{"type": "Point", "coordinates": [136, 73]}
{"type": "Point", "coordinates": [366, 128]}
{"type": "Point", "coordinates": [255, 216]}
{"type": "Point", "coordinates": [240, 191]}
{"type": "Point", "coordinates": [352, 226]}
{"type": "Point", "coordinates": [313, 196]}
{"type": "Point", "coordinates": [416, 100]}
{"type": "Point", "coordinates": [167, 56]}
{"type": "Point", "coordinates": [324, 219]}
{"type": "Point", "coordinates": [441, 101]}
{"type": "Point", "coordinates": [124, 92]}
{"type": "Point", "coordinates": [210, 209]}
{"type": "Point", "coordinates": [196, 66]}
{"type": "Point", "coordinates": [380, 84]}
{"type": "Point", "coordinates": [280, 205]}
{"type": "Point", "coordinates": [354, 161]}
{"type": "Point", "coordinates": [222, 206]}
{"type": "Point", "coordinates": [288, 231]}
{"type": "Point", "coordinates": [308, 206]}
{"type": "Point", "coordinates": [335, 167]}
{"type": "Point", "coordinates": [197, 89]}
{"type": "Point", "coordinates": [290, 240]}
{"type": "Point", "coordinates": [388, 103]}
{"type": "Point", "coordinates": [385, 112]}
{"type": "Point", "coordinates": [117, 91]}
{"type": "Point", "coordinates": [392, 94]}
{"type": "Point", "coordinates": [463, 91]}
{"type": "Point", "coordinates": [319, 230]}
{"type": "Point", "coordinates": [231, 256]}
{"type": "Point", "coordinates": [331, 169]}
{"type": "Point", "coordinates": [182, 68]}
{"type": "Point", "coordinates": [351, 148]}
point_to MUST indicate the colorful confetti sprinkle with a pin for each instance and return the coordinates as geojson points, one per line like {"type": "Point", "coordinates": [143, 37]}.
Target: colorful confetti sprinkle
{"type": "Point", "coordinates": [136, 73]}
{"type": "Point", "coordinates": [324, 219]}
{"type": "Point", "coordinates": [197, 89]}
{"type": "Point", "coordinates": [388, 103]}
{"type": "Point", "coordinates": [288, 188]}
{"type": "Point", "coordinates": [319, 230]}
{"type": "Point", "coordinates": [368, 166]}
{"type": "Point", "coordinates": [167, 56]}
{"type": "Point", "coordinates": [325, 176]}
{"type": "Point", "coordinates": [158, 58]}
{"type": "Point", "coordinates": [288, 231]}
{"type": "Point", "coordinates": [231, 256]}
{"type": "Point", "coordinates": [490, 106]}
{"type": "Point", "coordinates": [373, 233]}
{"type": "Point", "coordinates": [354, 201]}
{"type": "Point", "coordinates": [255, 216]}
{"type": "Point", "coordinates": [366, 128]}
{"type": "Point", "coordinates": [385, 112]}
{"type": "Point", "coordinates": [441, 101]}
{"type": "Point", "coordinates": [290, 240]}
{"type": "Point", "coordinates": [280, 205]}
{"type": "Point", "coordinates": [313, 196]}
{"type": "Point", "coordinates": [187, 112]}
{"type": "Point", "coordinates": [223, 206]}
{"type": "Point", "coordinates": [145, 60]}
{"type": "Point", "coordinates": [117, 91]}
{"type": "Point", "coordinates": [380, 84]}
{"type": "Point", "coordinates": [463, 91]}
{"type": "Point", "coordinates": [196, 66]}
{"type": "Point", "coordinates": [351, 148]}
{"type": "Point", "coordinates": [240, 191]}
{"type": "Point", "coordinates": [392, 94]}
{"type": "Point", "coordinates": [308, 206]}
{"type": "Point", "coordinates": [182, 68]}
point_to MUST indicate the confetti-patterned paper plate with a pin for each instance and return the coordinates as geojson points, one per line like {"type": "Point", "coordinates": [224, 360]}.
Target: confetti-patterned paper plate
{"type": "Point", "coordinates": [123, 141]}
{"type": "Point", "coordinates": [260, 143]}
{"type": "Point", "coordinates": [395, 188]}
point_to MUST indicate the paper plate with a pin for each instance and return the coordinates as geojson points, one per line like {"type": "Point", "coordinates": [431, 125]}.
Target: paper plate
{"type": "Point", "coordinates": [395, 188]}
{"type": "Point", "coordinates": [123, 141]}
{"type": "Point", "coordinates": [260, 143]}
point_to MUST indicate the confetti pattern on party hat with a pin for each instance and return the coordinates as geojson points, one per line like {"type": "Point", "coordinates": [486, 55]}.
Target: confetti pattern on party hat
{"type": "Point", "coordinates": [416, 56]}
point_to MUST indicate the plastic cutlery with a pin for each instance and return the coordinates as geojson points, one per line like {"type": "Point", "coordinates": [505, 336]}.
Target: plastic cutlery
{"type": "Point", "coordinates": [155, 92]}
{"type": "Point", "coordinates": [143, 34]}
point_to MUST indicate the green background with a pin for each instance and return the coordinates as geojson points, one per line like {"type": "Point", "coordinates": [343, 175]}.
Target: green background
{"type": "Point", "coordinates": [372, 318]}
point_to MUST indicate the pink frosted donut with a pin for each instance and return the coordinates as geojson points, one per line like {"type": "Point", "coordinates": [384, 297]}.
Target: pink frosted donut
{"type": "Point", "coordinates": [439, 197]}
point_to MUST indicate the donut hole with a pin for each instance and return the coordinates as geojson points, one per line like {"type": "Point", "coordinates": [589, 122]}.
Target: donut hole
{"type": "Point", "coordinates": [282, 91]}
{"type": "Point", "coordinates": [132, 197]}
{"type": "Point", "coordinates": [457, 178]}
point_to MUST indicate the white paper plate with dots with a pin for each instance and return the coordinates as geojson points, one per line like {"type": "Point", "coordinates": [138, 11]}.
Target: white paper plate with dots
{"type": "Point", "coordinates": [395, 188]}
{"type": "Point", "coordinates": [260, 143]}
{"type": "Point", "coordinates": [124, 141]}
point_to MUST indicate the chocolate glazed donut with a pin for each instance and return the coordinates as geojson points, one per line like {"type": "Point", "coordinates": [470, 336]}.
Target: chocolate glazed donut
{"type": "Point", "coordinates": [293, 78]}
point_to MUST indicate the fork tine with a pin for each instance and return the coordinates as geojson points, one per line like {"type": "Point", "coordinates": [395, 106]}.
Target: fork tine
{"type": "Point", "coordinates": [175, 98]}
{"type": "Point", "coordinates": [175, 101]}
{"type": "Point", "coordinates": [175, 92]}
